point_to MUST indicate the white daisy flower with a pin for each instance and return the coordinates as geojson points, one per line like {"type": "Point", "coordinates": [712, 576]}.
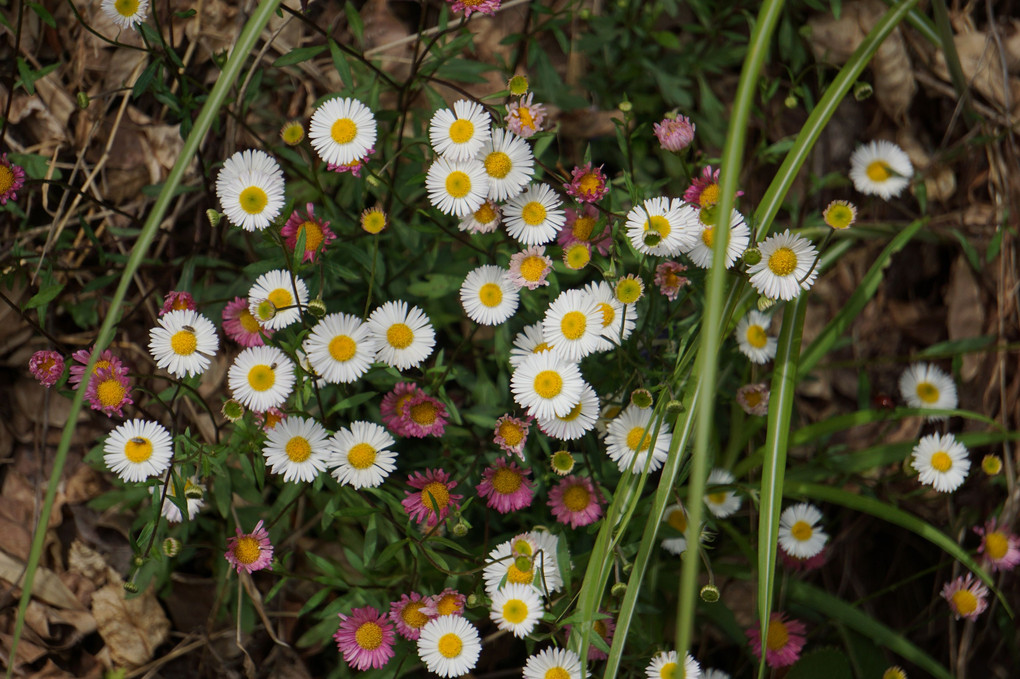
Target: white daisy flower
{"type": "Point", "coordinates": [629, 440]}
{"type": "Point", "coordinates": [126, 13]}
{"type": "Point", "coordinates": [459, 134]}
{"type": "Point", "coordinates": [488, 296]}
{"type": "Point", "coordinates": [715, 674]}
{"type": "Point", "coordinates": [516, 608]}
{"type": "Point", "coordinates": [573, 325]}
{"type": "Point", "coordinates": [543, 574]}
{"type": "Point", "coordinates": [553, 663]}
{"type": "Point", "coordinates": [138, 449]}
{"type": "Point", "coordinates": [183, 342]}
{"type": "Point", "coordinates": [342, 130]}
{"type": "Point", "coordinates": [664, 665]}
{"type": "Point", "coordinates": [297, 448]}
{"type": "Point", "coordinates": [361, 455]}
{"type": "Point", "coordinates": [721, 503]}
{"type": "Point", "coordinates": [942, 462]}
{"type": "Point", "coordinates": [753, 337]}
{"type": "Point", "coordinates": [925, 386]}
{"type": "Point", "coordinates": [340, 348]}
{"type": "Point", "coordinates": [617, 319]}
{"type": "Point", "coordinates": [261, 378]}
{"type": "Point", "coordinates": [529, 341]}
{"type": "Point", "coordinates": [193, 492]}
{"type": "Point", "coordinates": [658, 227]}
{"type": "Point", "coordinates": [250, 188]}
{"type": "Point", "coordinates": [786, 260]}
{"type": "Point", "coordinates": [457, 187]}
{"type": "Point", "coordinates": [535, 216]}
{"type": "Point", "coordinates": [405, 336]}
{"type": "Point", "coordinates": [799, 534]}
{"type": "Point", "coordinates": [546, 385]}
{"type": "Point", "coordinates": [880, 168]}
{"type": "Point", "coordinates": [700, 253]}
{"type": "Point", "coordinates": [508, 163]}
{"type": "Point", "coordinates": [675, 516]}
{"type": "Point", "coordinates": [483, 220]}
{"type": "Point", "coordinates": [449, 646]}
{"type": "Point", "coordinates": [271, 299]}
{"type": "Point", "coordinates": [576, 423]}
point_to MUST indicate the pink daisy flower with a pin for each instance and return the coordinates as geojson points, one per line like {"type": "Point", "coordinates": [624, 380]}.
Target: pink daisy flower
{"type": "Point", "coordinates": [241, 326]}
{"type": "Point", "coordinates": [317, 232]}
{"type": "Point", "coordinates": [575, 501]}
{"type": "Point", "coordinates": [354, 167]}
{"type": "Point", "coordinates": [754, 398]}
{"type": "Point", "coordinates": [269, 419]}
{"type": "Point", "coordinates": [668, 280]}
{"type": "Point", "coordinates": [249, 551]}
{"type": "Point", "coordinates": [967, 597]}
{"type": "Point", "coordinates": [424, 416]}
{"type": "Point", "coordinates": [1001, 548]}
{"type": "Point", "coordinates": [178, 301]}
{"type": "Point", "coordinates": [505, 487]}
{"type": "Point", "coordinates": [605, 627]}
{"type": "Point", "coordinates": [394, 406]}
{"type": "Point", "coordinates": [433, 491]}
{"type": "Point", "coordinates": [447, 602]}
{"type": "Point", "coordinates": [587, 184]}
{"type": "Point", "coordinates": [12, 178]}
{"type": "Point", "coordinates": [365, 638]}
{"type": "Point", "coordinates": [675, 133]}
{"type": "Point", "coordinates": [704, 190]}
{"type": "Point", "coordinates": [511, 433]}
{"type": "Point", "coordinates": [46, 366]}
{"type": "Point", "coordinates": [797, 565]}
{"type": "Point", "coordinates": [109, 390]}
{"type": "Point", "coordinates": [409, 616]}
{"type": "Point", "coordinates": [81, 359]}
{"type": "Point", "coordinates": [784, 641]}
{"type": "Point", "coordinates": [530, 269]}
{"type": "Point", "coordinates": [580, 227]}
{"type": "Point", "coordinates": [523, 117]}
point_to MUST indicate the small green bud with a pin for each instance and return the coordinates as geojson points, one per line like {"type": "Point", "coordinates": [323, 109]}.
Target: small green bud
{"type": "Point", "coordinates": [472, 600]}
{"type": "Point", "coordinates": [317, 307]}
{"type": "Point", "coordinates": [232, 410]}
{"type": "Point", "coordinates": [562, 462]}
{"type": "Point", "coordinates": [752, 256]}
{"type": "Point", "coordinates": [863, 90]}
{"type": "Point", "coordinates": [266, 310]}
{"type": "Point", "coordinates": [710, 594]}
{"type": "Point", "coordinates": [171, 547]}
{"type": "Point", "coordinates": [214, 217]}
{"type": "Point", "coordinates": [765, 303]}
{"type": "Point", "coordinates": [619, 589]}
{"type": "Point", "coordinates": [642, 398]}
{"type": "Point", "coordinates": [460, 529]}
{"type": "Point", "coordinates": [131, 587]}
{"type": "Point", "coordinates": [138, 561]}
{"type": "Point", "coordinates": [791, 101]}
{"type": "Point", "coordinates": [523, 563]}
{"type": "Point", "coordinates": [652, 238]}
{"type": "Point", "coordinates": [626, 106]}
{"type": "Point", "coordinates": [675, 407]}
{"type": "Point", "coordinates": [518, 85]}
{"type": "Point", "coordinates": [709, 215]}
{"type": "Point", "coordinates": [83, 100]}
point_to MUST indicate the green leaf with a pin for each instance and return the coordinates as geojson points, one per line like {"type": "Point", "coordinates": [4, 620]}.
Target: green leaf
{"type": "Point", "coordinates": [354, 21]}
{"type": "Point", "coordinates": [44, 296]}
{"type": "Point", "coordinates": [824, 662]}
{"type": "Point", "coordinates": [341, 65]}
{"type": "Point", "coordinates": [299, 54]}
{"type": "Point", "coordinates": [43, 13]}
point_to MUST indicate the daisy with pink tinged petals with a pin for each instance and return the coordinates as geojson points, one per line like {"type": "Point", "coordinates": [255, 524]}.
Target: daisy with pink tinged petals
{"type": "Point", "coordinates": [269, 419]}
{"type": "Point", "coordinates": [675, 133]}
{"type": "Point", "coordinates": [47, 367]}
{"type": "Point", "coordinates": [354, 167]}
{"type": "Point", "coordinates": [409, 616]}
{"type": "Point", "coordinates": [1001, 549]}
{"type": "Point", "coordinates": [580, 228]}
{"type": "Point", "coordinates": [587, 184]}
{"type": "Point", "coordinates": [394, 406]}
{"type": "Point", "coordinates": [249, 552]}
{"type": "Point", "coordinates": [511, 433]}
{"type": "Point", "coordinates": [523, 117]}
{"type": "Point", "coordinates": [447, 602]}
{"type": "Point", "coordinates": [81, 359]}
{"type": "Point", "coordinates": [178, 301]}
{"type": "Point", "coordinates": [365, 638]}
{"type": "Point", "coordinates": [530, 269]}
{"type": "Point", "coordinates": [783, 642]}
{"type": "Point", "coordinates": [704, 190]}
{"type": "Point", "coordinates": [483, 220]}
{"type": "Point", "coordinates": [109, 390]}
{"type": "Point", "coordinates": [468, 6]}
{"type": "Point", "coordinates": [575, 501]}
{"type": "Point", "coordinates": [505, 487]}
{"type": "Point", "coordinates": [424, 416]}
{"type": "Point", "coordinates": [668, 279]}
{"type": "Point", "coordinates": [432, 491]}
{"type": "Point", "coordinates": [12, 178]}
{"type": "Point", "coordinates": [241, 326]}
{"type": "Point", "coordinates": [317, 232]}
{"type": "Point", "coordinates": [967, 597]}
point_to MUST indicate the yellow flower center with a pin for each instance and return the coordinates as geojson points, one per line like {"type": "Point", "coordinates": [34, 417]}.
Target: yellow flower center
{"type": "Point", "coordinates": [100, 365]}
{"type": "Point", "coordinates": [248, 322]}
{"type": "Point", "coordinates": [253, 200]}
{"type": "Point", "coordinates": [138, 449]}
{"type": "Point", "coordinates": [717, 498]}
{"type": "Point", "coordinates": [572, 415]}
{"type": "Point", "coordinates": [271, 420]}
{"type": "Point", "coordinates": [280, 298]}
{"type": "Point", "coordinates": [458, 184]}
{"type": "Point", "coordinates": [777, 637]}
{"type": "Point", "coordinates": [540, 347]}
{"type": "Point", "coordinates": [608, 313]}
{"type": "Point", "coordinates": [438, 491]}
{"type": "Point", "coordinates": [261, 378]}
{"type": "Point", "coordinates": [753, 399]}
{"type": "Point", "coordinates": [669, 671]}
{"type": "Point", "coordinates": [628, 290]}
{"type": "Point", "coordinates": [515, 575]}
{"type": "Point", "coordinates": [709, 196]}
{"type": "Point", "coordinates": [965, 602]}
{"type": "Point", "coordinates": [578, 256]}
{"type": "Point", "coordinates": [511, 433]}
{"type": "Point", "coordinates": [412, 615]}
{"type": "Point", "coordinates": [573, 324]}
{"type": "Point", "coordinates": [461, 131]}
{"type": "Point", "coordinates": [506, 481]}
{"type": "Point", "coordinates": [582, 228]}
{"type": "Point", "coordinates": [589, 183]}
{"type": "Point", "coordinates": [447, 605]}
{"type": "Point", "coordinates": [342, 348]}
{"type": "Point", "coordinates": [424, 413]}
{"type": "Point", "coordinates": [524, 115]}
{"type": "Point", "coordinates": [782, 262]}
{"type": "Point", "coordinates": [927, 392]}
{"type": "Point", "coordinates": [894, 673]}
{"type": "Point", "coordinates": [450, 645]}
{"type": "Point", "coordinates": [6, 179]}
{"type": "Point", "coordinates": [637, 436]}
{"type": "Point", "coordinates": [490, 295]}
{"type": "Point", "coordinates": [369, 636]}
{"type": "Point", "coordinates": [183, 342]}
{"type": "Point", "coordinates": [879, 171]}
{"type": "Point", "coordinates": [399, 336]}
{"type": "Point", "coordinates": [532, 268]}
{"type": "Point", "coordinates": [756, 336]}
{"type": "Point", "coordinates": [515, 611]}
{"type": "Point", "coordinates": [313, 235]}
{"type": "Point", "coordinates": [498, 164]}
{"type": "Point", "coordinates": [996, 545]}
{"type": "Point", "coordinates": [533, 213]}
{"type": "Point", "coordinates": [361, 456]}
{"type": "Point", "coordinates": [677, 520]}
{"type": "Point", "coordinates": [298, 449]}
{"type": "Point", "coordinates": [556, 673]}
{"type": "Point", "coordinates": [485, 214]}
{"type": "Point", "coordinates": [659, 225]}
{"type": "Point", "coordinates": [292, 133]}
{"type": "Point", "coordinates": [991, 464]}
{"type": "Point", "coordinates": [802, 531]}
{"type": "Point", "coordinates": [941, 462]}
{"type": "Point", "coordinates": [247, 550]}
{"type": "Point", "coordinates": [708, 237]}
{"type": "Point", "coordinates": [839, 216]}
{"type": "Point", "coordinates": [576, 498]}
{"type": "Point", "coordinates": [373, 221]}
{"type": "Point", "coordinates": [548, 384]}
{"type": "Point", "coordinates": [600, 627]}
{"type": "Point", "coordinates": [343, 131]}
{"type": "Point", "coordinates": [126, 8]}
{"type": "Point", "coordinates": [110, 392]}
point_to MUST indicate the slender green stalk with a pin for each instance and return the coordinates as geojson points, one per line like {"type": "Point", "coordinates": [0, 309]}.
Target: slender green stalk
{"type": "Point", "coordinates": [252, 29]}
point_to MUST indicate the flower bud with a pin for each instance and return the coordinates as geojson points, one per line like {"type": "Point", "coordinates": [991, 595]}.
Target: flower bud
{"type": "Point", "coordinates": [619, 589]}
{"type": "Point", "coordinates": [642, 398]}
{"type": "Point", "coordinates": [171, 547]}
{"type": "Point", "coordinates": [232, 410]}
{"type": "Point", "coordinates": [765, 303]}
{"type": "Point", "coordinates": [674, 407]}
{"type": "Point", "coordinates": [316, 307]}
{"type": "Point", "coordinates": [131, 587]}
{"type": "Point", "coordinates": [460, 529]}
{"type": "Point", "coordinates": [710, 594]}
{"type": "Point", "coordinates": [752, 256]}
{"type": "Point", "coordinates": [214, 217]}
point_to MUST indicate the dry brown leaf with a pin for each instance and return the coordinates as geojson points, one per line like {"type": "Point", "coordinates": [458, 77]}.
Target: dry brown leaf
{"type": "Point", "coordinates": [966, 313]}
{"type": "Point", "coordinates": [46, 586]}
{"type": "Point", "coordinates": [382, 28]}
{"type": "Point", "coordinates": [939, 180]}
{"type": "Point", "coordinates": [27, 651]}
{"type": "Point", "coordinates": [132, 628]}
{"type": "Point", "coordinates": [982, 67]}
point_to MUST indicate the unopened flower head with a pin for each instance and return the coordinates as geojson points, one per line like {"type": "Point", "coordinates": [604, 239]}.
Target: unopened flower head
{"type": "Point", "coordinates": [840, 214]}
{"type": "Point", "coordinates": [292, 132]}
{"type": "Point", "coordinates": [47, 367]}
{"type": "Point", "coordinates": [674, 133]}
{"type": "Point", "coordinates": [373, 220]}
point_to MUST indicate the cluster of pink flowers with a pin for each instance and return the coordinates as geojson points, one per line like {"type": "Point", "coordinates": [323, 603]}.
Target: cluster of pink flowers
{"type": "Point", "coordinates": [409, 411]}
